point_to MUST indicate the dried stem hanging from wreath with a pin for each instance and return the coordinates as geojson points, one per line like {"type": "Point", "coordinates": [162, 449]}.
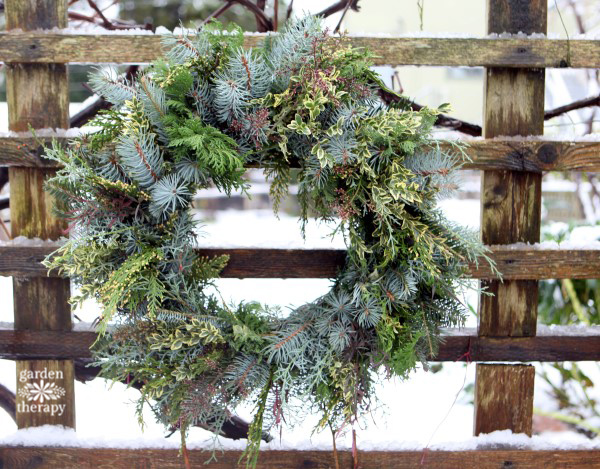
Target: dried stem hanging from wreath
{"type": "Point", "coordinates": [303, 99]}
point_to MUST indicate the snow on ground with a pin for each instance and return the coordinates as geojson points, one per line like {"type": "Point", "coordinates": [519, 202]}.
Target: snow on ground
{"type": "Point", "coordinates": [48, 435]}
{"type": "Point", "coordinates": [580, 234]}
{"type": "Point", "coordinates": [571, 330]}
{"type": "Point", "coordinates": [564, 245]}
{"type": "Point", "coordinates": [412, 414]}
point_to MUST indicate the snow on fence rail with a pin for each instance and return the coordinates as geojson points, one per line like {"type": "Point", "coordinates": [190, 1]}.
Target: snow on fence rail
{"type": "Point", "coordinates": [53, 47]}
{"type": "Point", "coordinates": [533, 154]}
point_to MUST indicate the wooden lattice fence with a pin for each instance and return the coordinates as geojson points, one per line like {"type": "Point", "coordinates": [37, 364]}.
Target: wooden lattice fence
{"type": "Point", "coordinates": [42, 338]}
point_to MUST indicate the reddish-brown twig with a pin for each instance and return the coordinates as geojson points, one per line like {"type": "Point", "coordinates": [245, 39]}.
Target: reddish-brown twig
{"type": "Point", "coordinates": [219, 11]}
{"type": "Point", "coordinates": [574, 106]}
{"type": "Point", "coordinates": [106, 23]}
{"type": "Point", "coordinates": [337, 28]}
{"type": "Point", "coordinates": [289, 11]}
{"type": "Point", "coordinates": [7, 401]}
{"type": "Point", "coordinates": [467, 355]}
{"type": "Point", "coordinates": [338, 6]}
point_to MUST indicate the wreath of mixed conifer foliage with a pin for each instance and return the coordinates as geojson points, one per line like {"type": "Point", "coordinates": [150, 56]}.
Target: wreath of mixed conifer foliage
{"type": "Point", "coordinates": [303, 100]}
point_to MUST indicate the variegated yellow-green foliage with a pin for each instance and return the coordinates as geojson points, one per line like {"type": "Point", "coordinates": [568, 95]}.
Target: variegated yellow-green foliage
{"type": "Point", "coordinates": [302, 100]}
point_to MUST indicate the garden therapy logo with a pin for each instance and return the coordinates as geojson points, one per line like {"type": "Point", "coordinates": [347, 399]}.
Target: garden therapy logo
{"type": "Point", "coordinates": [40, 393]}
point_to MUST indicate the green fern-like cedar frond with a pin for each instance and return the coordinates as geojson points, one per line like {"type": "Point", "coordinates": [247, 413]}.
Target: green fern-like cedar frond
{"type": "Point", "coordinates": [212, 148]}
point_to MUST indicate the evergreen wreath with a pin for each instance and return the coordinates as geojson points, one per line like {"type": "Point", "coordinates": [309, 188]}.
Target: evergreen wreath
{"type": "Point", "coordinates": [302, 100]}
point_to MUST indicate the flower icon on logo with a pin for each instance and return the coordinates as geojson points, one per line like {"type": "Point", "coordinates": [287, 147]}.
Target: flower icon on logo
{"type": "Point", "coordinates": [41, 391]}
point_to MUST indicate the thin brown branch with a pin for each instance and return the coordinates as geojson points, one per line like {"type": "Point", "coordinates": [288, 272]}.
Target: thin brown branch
{"type": "Point", "coordinates": [73, 15]}
{"type": "Point", "coordinates": [338, 6]}
{"type": "Point", "coordinates": [115, 24]}
{"type": "Point", "coordinates": [108, 24]}
{"type": "Point", "coordinates": [114, 2]}
{"type": "Point", "coordinates": [476, 130]}
{"type": "Point", "coordinates": [595, 188]}
{"type": "Point", "coordinates": [337, 28]}
{"type": "Point", "coordinates": [389, 97]}
{"type": "Point", "coordinates": [185, 451]}
{"type": "Point", "coordinates": [591, 120]}
{"type": "Point", "coordinates": [4, 229]}
{"type": "Point", "coordinates": [105, 22]}
{"type": "Point", "coordinates": [578, 18]}
{"type": "Point", "coordinates": [219, 11]}
{"type": "Point", "coordinates": [458, 125]}
{"type": "Point", "coordinates": [263, 23]}
{"type": "Point", "coordinates": [275, 14]}
{"type": "Point", "coordinates": [582, 103]}
{"type": "Point", "coordinates": [290, 9]}
{"type": "Point", "coordinates": [89, 112]}
{"type": "Point", "coordinates": [3, 177]}
{"type": "Point", "coordinates": [356, 464]}
{"type": "Point", "coordinates": [4, 199]}
{"type": "Point", "coordinates": [8, 401]}
{"type": "Point", "coordinates": [336, 457]}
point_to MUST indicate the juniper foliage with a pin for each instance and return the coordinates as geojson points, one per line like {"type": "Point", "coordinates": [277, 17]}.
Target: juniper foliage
{"type": "Point", "coordinates": [194, 121]}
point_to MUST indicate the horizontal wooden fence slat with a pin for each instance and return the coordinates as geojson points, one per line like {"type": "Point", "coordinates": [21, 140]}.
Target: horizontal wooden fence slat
{"type": "Point", "coordinates": [512, 155]}
{"type": "Point", "coordinates": [513, 263]}
{"type": "Point", "coordinates": [25, 152]}
{"type": "Point", "coordinates": [35, 47]}
{"type": "Point", "coordinates": [532, 155]}
{"type": "Point", "coordinates": [58, 345]}
{"type": "Point", "coordinates": [459, 345]}
{"type": "Point", "coordinates": [20, 457]}
{"type": "Point", "coordinates": [538, 264]}
{"type": "Point", "coordinates": [24, 261]}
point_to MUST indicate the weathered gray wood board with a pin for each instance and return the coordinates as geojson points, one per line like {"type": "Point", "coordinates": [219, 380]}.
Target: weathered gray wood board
{"type": "Point", "coordinates": [35, 47]}
{"type": "Point", "coordinates": [531, 155]}
{"type": "Point", "coordinates": [94, 458]}
{"type": "Point", "coordinates": [513, 264]}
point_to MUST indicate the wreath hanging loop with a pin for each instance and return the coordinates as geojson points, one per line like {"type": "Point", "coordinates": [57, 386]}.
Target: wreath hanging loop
{"type": "Point", "coordinates": [307, 108]}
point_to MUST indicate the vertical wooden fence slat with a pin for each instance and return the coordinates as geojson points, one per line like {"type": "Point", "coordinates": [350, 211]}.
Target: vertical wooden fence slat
{"type": "Point", "coordinates": [510, 212]}
{"type": "Point", "coordinates": [37, 96]}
